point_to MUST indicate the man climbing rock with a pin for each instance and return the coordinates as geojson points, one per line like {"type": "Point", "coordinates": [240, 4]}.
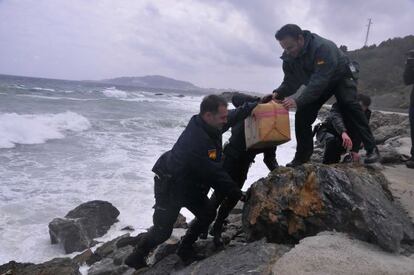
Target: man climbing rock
{"type": "Point", "coordinates": [184, 175]}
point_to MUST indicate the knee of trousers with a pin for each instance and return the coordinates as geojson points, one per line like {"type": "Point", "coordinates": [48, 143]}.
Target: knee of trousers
{"type": "Point", "coordinates": [160, 234]}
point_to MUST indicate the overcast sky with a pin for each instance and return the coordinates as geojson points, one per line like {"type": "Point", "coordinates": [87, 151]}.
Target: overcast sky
{"type": "Point", "coordinates": [220, 44]}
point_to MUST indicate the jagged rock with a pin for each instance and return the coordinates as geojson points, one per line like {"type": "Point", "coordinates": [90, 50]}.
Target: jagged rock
{"type": "Point", "coordinates": [251, 258]}
{"type": "Point", "coordinates": [291, 204]}
{"type": "Point", "coordinates": [128, 228]}
{"type": "Point", "coordinates": [180, 222]}
{"type": "Point", "coordinates": [384, 133]}
{"type": "Point", "coordinates": [121, 254]}
{"type": "Point", "coordinates": [61, 266]}
{"type": "Point", "coordinates": [337, 253]}
{"type": "Point", "coordinates": [379, 119]}
{"type": "Point", "coordinates": [106, 250]}
{"type": "Point", "coordinates": [13, 267]}
{"type": "Point", "coordinates": [107, 267]}
{"type": "Point", "coordinates": [162, 267]}
{"type": "Point", "coordinates": [87, 221]}
{"type": "Point", "coordinates": [84, 257]}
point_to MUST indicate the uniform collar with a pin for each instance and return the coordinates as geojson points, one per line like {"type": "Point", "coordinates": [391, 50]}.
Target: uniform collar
{"type": "Point", "coordinates": [211, 131]}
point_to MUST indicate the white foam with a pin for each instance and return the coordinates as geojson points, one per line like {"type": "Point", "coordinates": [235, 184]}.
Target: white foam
{"type": "Point", "coordinates": [43, 89]}
{"type": "Point", "coordinates": [36, 129]}
{"type": "Point", "coordinates": [113, 92]}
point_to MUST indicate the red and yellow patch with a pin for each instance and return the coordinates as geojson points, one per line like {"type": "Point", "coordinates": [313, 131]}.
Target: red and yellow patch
{"type": "Point", "coordinates": [320, 62]}
{"type": "Point", "coordinates": [212, 154]}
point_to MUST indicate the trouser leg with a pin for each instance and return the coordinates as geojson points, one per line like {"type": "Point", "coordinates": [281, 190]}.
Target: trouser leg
{"type": "Point", "coordinates": [204, 213]}
{"type": "Point", "coordinates": [304, 118]}
{"type": "Point", "coordinates": [333, 150]}
{"type": "Point", "coordinates": [269, 158]}
{"type": "Point", "coordinates": [164, 218]}
{"type": "Point", "coordinates": [346, 96]}
{"type": "Point", "coordinates": [237, 169]}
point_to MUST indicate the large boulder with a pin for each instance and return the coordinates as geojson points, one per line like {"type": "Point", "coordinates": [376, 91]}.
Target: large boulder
{"type": "Point", "coordinates": [61, 266]}
{"type": "Point", "coordinates": [81, 225]}
{"type": "Point", "coordinates": [251, 258]}
{"type": "Point", "coordinates": [291, 204]}
{"type": "Point", "coordinates": [337, 253]}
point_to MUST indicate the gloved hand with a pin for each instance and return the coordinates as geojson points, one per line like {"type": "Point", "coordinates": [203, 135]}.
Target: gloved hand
{"type": "Point", "coordinates": [266, 98]}
{"type": "Point", "coordinates": [245, 196]}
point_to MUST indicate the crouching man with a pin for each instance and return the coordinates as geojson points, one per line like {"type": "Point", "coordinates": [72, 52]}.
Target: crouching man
{"type": "Point", "coordinates": [184, 175]}
{"type": "Point", "coordinates": [338, 135]}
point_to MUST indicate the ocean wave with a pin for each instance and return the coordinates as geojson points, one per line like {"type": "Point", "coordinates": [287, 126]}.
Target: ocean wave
{"type": "Point", "coordinates": [113, 92]}
{"type": "Point", "coordinates": [36, 129]}
{"type": "Point", "coordinates": [43, 89]}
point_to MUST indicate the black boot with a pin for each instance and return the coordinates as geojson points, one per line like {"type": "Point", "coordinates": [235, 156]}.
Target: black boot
{"type": "Point", "coordinates": [295, 162]}
{"type": "Point", "coordinates": [136, 259]}
{"type": "Point", "coordinates": [372, 156]}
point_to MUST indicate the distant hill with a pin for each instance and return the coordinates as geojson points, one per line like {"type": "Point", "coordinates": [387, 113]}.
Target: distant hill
{"type": "Point", "coordinates": [152, 81]}
{"type": "Point", "coordinates": [381, 72]}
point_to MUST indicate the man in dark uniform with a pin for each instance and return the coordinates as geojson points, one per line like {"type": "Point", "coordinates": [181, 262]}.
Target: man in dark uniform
{"type": "Point", "coordinates": [184, 175]}
{"type": "Point", "coordinates": [317, 63]}
{"type": "Point", "coordinates": [237, 161]}
{"type": "Point", "coordinates": [409, 80]}
{"type": "Point", "coordinates": [338, 136]}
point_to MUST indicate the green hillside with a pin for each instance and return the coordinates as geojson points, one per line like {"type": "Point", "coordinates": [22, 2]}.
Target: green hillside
{"type": "Point", "coordinates": [381, 69]}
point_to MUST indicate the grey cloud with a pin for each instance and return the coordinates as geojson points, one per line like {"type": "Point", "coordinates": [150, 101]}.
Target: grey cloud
{"type": "Point", "coordinates": [211, 43]}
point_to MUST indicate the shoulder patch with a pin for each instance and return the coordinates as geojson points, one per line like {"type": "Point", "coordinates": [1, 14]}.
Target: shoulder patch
{"type": "Point", "coordinates": [212, 154]}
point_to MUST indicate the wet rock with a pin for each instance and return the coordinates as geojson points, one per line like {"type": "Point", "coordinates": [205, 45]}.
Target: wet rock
{"type": "Point", "coordinates": [84, 257]}
{"type": "Point", "coordinates": [106, 250]}
{"type": "Point", "coordinates": [337, 253]}
{"type": "Point", "coordinates": [13, 267]}
{"type": "Point", "coordinates": [180, 222]}
{"type": "Point", "coordinates": [251, 258]}
{"type": "Point", "coordinates": [128, 228]}
{"type": "Point", "coordinates": [166, 266]}
{"type": "Point", "coordinates": [107, 267]}
{"type": "Point", "coordinates": [384, 133]}
{"type": "Point", "coordinates": [379, 119]}
{"type": "Point", "coordinates": [121, 254]}
{"type": "Point", "coordinates": [87, 221]}
{"type": "Point", "coordinates": [61, 266]}
{"type": "Point", "coordinates": [291, 204]}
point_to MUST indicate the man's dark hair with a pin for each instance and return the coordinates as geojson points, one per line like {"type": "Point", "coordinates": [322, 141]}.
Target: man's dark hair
{"type": "Point", "coordinates": [211, 103]}
{"type": "Point", "coordinates": [289, 30]}
{"type": "Point", "coordinates": [365, 99]}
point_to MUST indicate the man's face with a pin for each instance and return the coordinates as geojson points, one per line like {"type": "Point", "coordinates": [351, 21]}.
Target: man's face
{"type": "Point", "coordinates": [217, 120]}
{"type": "Point", "coordinates": [292, 46]}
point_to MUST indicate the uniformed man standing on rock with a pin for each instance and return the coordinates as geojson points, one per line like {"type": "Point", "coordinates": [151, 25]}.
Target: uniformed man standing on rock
{"type": "Point", "coordinates": [325, 70]}
{"type": "Point", "coordinates": [184, 176]}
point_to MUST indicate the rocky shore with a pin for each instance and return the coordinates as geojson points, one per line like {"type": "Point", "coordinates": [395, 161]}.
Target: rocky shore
{"type": "Point", "coordinates": [315, 219]}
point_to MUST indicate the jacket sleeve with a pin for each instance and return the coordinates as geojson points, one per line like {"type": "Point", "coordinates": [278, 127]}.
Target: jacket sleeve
{"type": "Point", "coordinates": [336, 119]}
{"type": "Point", "coordinates": [409, 72]}
{"type": "Point", "coordinates": [238, 99]}
{"type": "Point", "coordinates": [213, 173]}
{"type": "Point", "coordinates": [238, 114]}
{"type": "Point", "coordinates": [289, 86]}
{"type": "Point", "coordinates": [325, 63]}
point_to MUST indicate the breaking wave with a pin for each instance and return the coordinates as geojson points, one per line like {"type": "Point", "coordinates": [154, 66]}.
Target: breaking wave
{"type": "Point", "coordinates": [36, 129]}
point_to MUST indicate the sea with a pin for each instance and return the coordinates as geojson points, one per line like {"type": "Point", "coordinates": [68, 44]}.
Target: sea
{"type": "Point", "coordinates": [63, 143]}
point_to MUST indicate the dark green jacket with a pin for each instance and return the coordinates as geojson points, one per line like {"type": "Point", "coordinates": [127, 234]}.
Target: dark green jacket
{"type": "Point", "coordinates": [319, 66]}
